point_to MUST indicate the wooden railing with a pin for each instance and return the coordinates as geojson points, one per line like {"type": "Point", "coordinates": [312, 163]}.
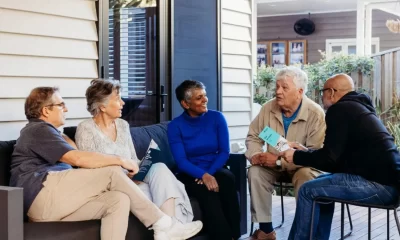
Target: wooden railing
{"type": "Point", "coordinates": [385, 80]}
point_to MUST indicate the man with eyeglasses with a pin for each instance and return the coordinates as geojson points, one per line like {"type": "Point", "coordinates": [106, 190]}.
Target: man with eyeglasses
{"type": "Point", "coordinates": [54, 191]}
{"type": "Point", "coordinates": [359, 153]}
{"type": "Point", "coordinates": [298, 119]}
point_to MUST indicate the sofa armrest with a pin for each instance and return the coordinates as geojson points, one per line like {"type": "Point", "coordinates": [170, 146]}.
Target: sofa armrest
{"type": "Point", "coordinates": [237, 164]}
{"type": "Point", "coordinates": [12, 216]}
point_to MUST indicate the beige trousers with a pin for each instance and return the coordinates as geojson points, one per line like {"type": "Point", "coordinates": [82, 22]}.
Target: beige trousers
{"type": "Point", "coordinates": [85, 194]}
{"type": "Point", "coordinates": [261, 180]}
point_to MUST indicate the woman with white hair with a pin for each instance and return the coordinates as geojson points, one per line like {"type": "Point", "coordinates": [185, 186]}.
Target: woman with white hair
{"type": "Point", "coordinates": [107, 133]}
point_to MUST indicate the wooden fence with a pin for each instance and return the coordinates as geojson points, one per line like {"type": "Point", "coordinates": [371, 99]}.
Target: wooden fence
{"type": "Point", "coordinates": [386, 78]}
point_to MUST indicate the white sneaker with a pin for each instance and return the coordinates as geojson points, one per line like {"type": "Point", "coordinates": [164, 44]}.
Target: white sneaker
{"type": "Point", "coordinates": [176, 230]}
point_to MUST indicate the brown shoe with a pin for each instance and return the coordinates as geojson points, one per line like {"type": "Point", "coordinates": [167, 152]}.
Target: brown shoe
{"type": "Point", "coordinates": [260, 235]}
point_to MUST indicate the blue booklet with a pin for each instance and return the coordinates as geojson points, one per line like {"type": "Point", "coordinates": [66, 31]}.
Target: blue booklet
{"type": "Point", "coordinates": [153, 155]}
{"type": "Point", "coordinates": [274, 139]}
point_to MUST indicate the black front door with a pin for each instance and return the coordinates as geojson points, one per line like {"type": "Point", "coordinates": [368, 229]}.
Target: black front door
{"type": "Point", "coordinates": [138, 57]}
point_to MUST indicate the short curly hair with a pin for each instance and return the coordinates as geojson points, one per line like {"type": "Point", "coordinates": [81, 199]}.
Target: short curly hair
{"type": "Point", "coordinates": [37, 100]}
{"type": "Point", "coordinates": [98, 93]}
{"type": "Point", "coordinates": [184, 90]}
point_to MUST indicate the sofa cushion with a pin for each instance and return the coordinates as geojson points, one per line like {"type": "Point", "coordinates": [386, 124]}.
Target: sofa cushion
{"type": "Point", "coordinates": [6, 149]}
{"type": "Point", "coordinates": [88, 230]}
{"type": "Point", "coordinates": [70, 132]}
{"type": "Point", "coordinates": [197, 215]}
{"type": "Point", "coordinates": [142, 136]}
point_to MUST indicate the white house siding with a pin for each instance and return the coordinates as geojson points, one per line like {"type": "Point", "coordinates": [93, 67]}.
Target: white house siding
{"type": "Point", "coordinates": [45, 43]}
{"type": "Point", "coordinates": [238, 19]}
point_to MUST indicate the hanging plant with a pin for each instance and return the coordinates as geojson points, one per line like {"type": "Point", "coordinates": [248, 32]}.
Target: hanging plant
{"type": "Point", "coordinates": [393, 25]}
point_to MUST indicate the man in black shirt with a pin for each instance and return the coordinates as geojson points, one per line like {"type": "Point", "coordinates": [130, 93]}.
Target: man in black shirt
{"type": "Point", "coordinates": [359, 153]}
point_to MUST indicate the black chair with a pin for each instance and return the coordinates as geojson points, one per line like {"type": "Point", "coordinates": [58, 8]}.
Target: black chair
{"type": "Point", "coordinates": [280, 184]}
{"type": "Point", "coordinates": [328, 200]}
{"type": "Point", "coordinates": [285, 182]}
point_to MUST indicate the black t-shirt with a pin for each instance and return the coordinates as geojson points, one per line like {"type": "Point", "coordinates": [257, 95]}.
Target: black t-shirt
{"type": "Point", "coordinates": [37, 152]}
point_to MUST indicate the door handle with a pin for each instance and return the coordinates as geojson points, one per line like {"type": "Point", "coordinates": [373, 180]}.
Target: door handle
{"type": "Point", "coordinates": [162, 94]}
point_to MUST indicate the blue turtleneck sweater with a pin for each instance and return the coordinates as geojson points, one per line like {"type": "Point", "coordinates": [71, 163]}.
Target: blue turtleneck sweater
{"type": "Point", "coordinates": [199, 144]}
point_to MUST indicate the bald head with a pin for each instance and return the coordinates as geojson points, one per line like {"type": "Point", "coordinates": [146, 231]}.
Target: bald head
{"type": "Point", "coordinates": [335, 88]}
{"type": "Point", "coordinates": [343, 83]}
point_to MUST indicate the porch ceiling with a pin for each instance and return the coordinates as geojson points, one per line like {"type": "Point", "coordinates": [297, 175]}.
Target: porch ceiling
{"type": "Point", "coordinates": [291, 7]}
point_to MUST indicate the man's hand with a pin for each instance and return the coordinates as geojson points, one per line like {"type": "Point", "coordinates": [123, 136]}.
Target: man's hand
{"type": "Point", "coordinates": [210, 182]}
{"type": "Point", "coordinates": [255, 160]}
{"type": "Point", "coordinates": [288, 155]}
{"type": "Point", "coordinates": [130, 165]}
{"type": "Point", "coordinates": [268, 159]}
{"type": "Point", "coordinates": [297, 146]}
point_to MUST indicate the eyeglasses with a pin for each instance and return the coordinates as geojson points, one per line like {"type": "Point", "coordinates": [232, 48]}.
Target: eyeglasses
{"type": "Point", "coordinates": [321, 92]}
{"type": "Point", "coordinates": [61, 105]}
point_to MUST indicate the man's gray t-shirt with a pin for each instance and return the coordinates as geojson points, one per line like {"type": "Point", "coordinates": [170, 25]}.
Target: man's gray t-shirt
{"type": "Point", "coordinates": [38, 151]}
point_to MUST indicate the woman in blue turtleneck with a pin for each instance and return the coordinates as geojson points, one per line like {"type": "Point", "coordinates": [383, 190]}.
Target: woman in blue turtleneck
{"type": "Point", "coordinates": [199, 142]}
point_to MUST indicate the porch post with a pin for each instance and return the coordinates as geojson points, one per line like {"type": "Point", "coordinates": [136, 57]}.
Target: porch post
{"type": "Point", "coordinates": [368, 30]}
{"type": "Point", "coordinates": [360, 27]}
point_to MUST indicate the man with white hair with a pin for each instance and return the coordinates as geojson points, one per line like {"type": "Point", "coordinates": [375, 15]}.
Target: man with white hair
{"type": "Point", "coordinates": [300, 121]}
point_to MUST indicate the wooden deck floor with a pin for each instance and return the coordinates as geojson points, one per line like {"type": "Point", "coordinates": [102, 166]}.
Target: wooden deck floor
{"type": "Point", "coordinates": [359, 216]}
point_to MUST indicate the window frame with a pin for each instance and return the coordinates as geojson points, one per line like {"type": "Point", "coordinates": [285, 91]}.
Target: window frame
{"type": "Point", "coordinates": [345, 43]}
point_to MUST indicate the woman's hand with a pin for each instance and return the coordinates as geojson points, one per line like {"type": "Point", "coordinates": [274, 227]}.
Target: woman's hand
{"type": "Point", "coordinates": [210, 182]}
{"type": "Point", "coordinates": [137, 182]}
{"type": "Point", "coordinates": [198, 181]}
{"type": "Point", "coordinates": [130, 165]}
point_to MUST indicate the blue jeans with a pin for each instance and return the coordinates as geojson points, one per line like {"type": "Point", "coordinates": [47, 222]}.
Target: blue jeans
{"type": "Point", "coordinates": [338, 185]}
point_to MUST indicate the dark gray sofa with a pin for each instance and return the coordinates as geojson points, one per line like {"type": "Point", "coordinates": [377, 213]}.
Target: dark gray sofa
{"type": "Point", "coordinates": [13, 226]}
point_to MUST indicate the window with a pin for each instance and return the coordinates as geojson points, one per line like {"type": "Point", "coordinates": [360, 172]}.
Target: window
{"type": "Point", "coordinates": [131, 46]}
{"type": "Point", "coordinates": [347, 46]}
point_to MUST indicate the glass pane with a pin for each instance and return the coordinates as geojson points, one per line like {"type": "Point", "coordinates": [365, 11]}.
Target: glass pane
{"type": "Point", "coordinates": [128, 44]}
{"type": "Point", "coordinates": [351, 50]}
{"type": "Point", "coordinates": [373, 49]}
{"type": "Point", "coordinates": [336, 49]}
{"type": "Point", "coordinates": [133, 56]}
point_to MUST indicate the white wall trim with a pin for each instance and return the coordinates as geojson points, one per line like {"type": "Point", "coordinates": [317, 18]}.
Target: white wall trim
{"type": "Point", "coordinates": [306, 13]}
{"type": "Point", "coordinates": [254, 50]}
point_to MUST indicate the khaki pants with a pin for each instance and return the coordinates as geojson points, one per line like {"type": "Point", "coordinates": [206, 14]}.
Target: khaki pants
{"type": "Point", "coordinates": [261, 180]}
{"type": "Point", "coordinates": [85, 194]}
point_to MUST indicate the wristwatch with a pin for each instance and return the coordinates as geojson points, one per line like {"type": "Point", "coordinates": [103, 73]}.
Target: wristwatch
{"type": "Point", "coordinates": [279, 162]}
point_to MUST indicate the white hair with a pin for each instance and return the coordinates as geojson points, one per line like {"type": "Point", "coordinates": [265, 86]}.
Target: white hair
{"type": "Point", "coordinates": [300, 78]}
